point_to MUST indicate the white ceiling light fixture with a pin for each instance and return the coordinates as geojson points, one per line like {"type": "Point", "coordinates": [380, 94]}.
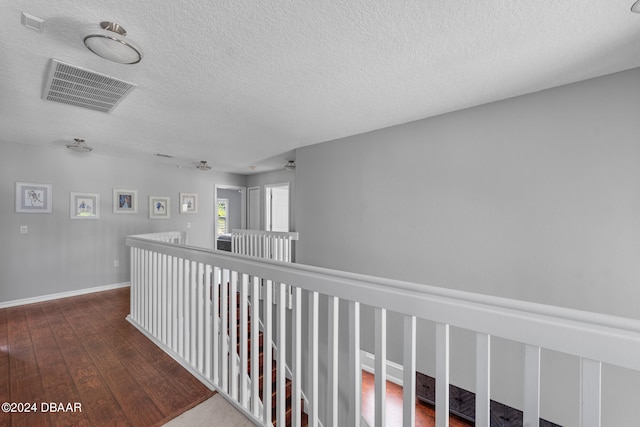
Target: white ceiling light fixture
{"type": "Point", "coordinates": [80, 146]}
{"type": "Point", "coordinates": [635, 8]}
{"type": "Point", "coordinates": [203, 166]}
{"type": "Point", "coordinates": [291, 165]}
{"type": "Point", "coordinates": [109, 42]}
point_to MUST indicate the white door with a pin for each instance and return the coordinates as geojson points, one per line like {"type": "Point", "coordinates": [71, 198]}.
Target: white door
{"type": "Point", "coordinates": [277, 207]}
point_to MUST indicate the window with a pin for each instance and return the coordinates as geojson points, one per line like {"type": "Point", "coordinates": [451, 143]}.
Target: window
{"type": "Point", "coordinates": [223, 214]}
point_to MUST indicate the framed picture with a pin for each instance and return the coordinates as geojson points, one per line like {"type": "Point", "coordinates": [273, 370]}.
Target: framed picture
{"type": "Point", "coordinates": [84, 205]}
{"type": "Point", "coordinates": [188, 203]}
{"type": "Point", "coordinates": [33, 198]}
{"type": "Point", "coordinates": [125, 201]}
{"type": "Point", "coordinates": [159, 207]}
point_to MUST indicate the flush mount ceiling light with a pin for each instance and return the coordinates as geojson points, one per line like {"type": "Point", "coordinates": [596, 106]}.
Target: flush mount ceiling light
{"type": "Point", "coordinates": [291, 165]}
{"type": "Point", "coordinates": [109, 42]}
{"type": "Point", "coordinates": [203, 166]}
{"type": "Point", "coordinates": [80, 146]}
{"type": "Point", "coordinates": [636, 7]}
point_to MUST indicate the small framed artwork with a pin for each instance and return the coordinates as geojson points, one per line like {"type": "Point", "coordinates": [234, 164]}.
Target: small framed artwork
{"type": "Point", "coordinates": [84, 206]}
{"type": "Point", "coordinates": [159, 207]}
{"type": "Point", "coordinates": [125, 201]}
{"type": "Point", "coordinates": [188, 203]}
{"type": "Point", "coordinates": [33, 198]}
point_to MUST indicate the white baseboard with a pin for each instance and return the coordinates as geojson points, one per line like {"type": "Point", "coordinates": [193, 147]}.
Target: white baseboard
{"type": "Point", "coordinates": [394, 371]}
{"type": "Point", "coordinates": [43, 298]}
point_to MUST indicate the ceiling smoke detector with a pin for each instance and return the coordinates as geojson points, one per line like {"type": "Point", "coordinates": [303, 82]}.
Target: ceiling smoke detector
{"type": "Point", "coordinates": [109, 42]}
{"type": "Point", "coordinates": [80, 146]}
{"type": "Point", "coordinates": [203, 166]}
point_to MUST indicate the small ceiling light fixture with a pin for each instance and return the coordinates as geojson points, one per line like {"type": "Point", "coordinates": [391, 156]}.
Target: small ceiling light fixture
{"type": "Point", "coordinates": [109, 43]}
{"type": "Point", "coordinates": [203, 166]}
{"type": "Point", "coordinates": [291, 165]}
{"type": "Point", "coordinates": [80, 146]}
{"type": "Point", "coordinates": [636, 7]}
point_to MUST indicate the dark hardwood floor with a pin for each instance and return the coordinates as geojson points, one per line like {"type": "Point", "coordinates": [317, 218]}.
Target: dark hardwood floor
{"type": "Point", "coordinates": [425, 414]}
{"type": "Point", "coordinates": [81, 351]}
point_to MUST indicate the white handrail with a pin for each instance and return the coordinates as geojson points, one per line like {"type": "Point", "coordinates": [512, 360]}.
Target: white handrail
{"type": "Point", "coordinates": [177, 237]}
{"type": "Point", "coordinates": [590, 336]}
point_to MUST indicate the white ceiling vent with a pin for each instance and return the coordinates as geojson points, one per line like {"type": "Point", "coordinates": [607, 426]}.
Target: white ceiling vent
{"type": "Point", "coordinates": [84, 88]}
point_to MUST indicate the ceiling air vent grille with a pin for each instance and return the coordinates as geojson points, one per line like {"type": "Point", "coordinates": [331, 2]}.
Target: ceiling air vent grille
{"type": "Point", "coordinates": [72, 85]}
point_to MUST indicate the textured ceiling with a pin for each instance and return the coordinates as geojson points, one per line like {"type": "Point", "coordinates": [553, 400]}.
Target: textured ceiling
{"type": "Point", "coordinates": [244, 82]}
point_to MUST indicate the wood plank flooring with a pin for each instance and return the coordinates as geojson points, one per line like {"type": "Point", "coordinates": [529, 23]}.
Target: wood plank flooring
{"type": "Point", "coordinates": [82, 350]}
{"type": "Point", "coordinates": [425, 414]}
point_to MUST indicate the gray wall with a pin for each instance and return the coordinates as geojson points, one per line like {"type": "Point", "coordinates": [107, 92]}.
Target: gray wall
{"type": "Point", "coordinates": [535, 198]}
{"type": "Point", "coordinates": [59, 254]}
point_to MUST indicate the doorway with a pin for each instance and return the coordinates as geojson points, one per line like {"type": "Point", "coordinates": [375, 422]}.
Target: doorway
{"type": "Point", "coordinates": [229, 207]}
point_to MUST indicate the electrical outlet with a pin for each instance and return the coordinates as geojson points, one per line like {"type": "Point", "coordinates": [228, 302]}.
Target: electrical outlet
{"type": "Point", "coordinates": [116, 263]}
{"type": "Point", "coordinates": [24, 229]}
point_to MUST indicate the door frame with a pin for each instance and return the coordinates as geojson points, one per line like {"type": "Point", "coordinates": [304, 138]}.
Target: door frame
{"type": "Point", "coordinates": [243, 207]}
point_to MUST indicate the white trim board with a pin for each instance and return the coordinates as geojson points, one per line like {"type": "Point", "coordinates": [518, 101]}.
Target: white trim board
{"type": "Point", "coordinates": [43, 298]}
{"type": "Point", "coordinates": [394, 370]}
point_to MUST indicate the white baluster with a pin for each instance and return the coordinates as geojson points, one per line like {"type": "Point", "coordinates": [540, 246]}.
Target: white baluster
{"type": "Point", "coordinates": [483, 380]}
{"type": "Point", "coordinates": [280, 366]}
{"type": "Point", "coordinates": [215, 299]}
{"type": "Point", "coordinates": [442, 375]}
{"type": "Point", "coordinates": [169, 313]}
{"type": "Point", "coordinates": [381, 367]}
{"type": "Point", "coordinates": [208, 321]}
{"type": "Point", "coordinates": [332, 361]}
{"type": "Point", "coordinates": [193, 311]}
{"type": "Point", "coordinates": [244, 340]}
{"type": "Point", "coordinates": [163, 299]}
{"type": "Point", "coordinates": [313, 350]}
{"type": "Point", "coordinates": [224, 330]}
{"type": "Point", "coordinates": [187, 310]}
{"type": "Point", "coordinates": [296, 369]}
{"type": "Point", "coordinates": [590, 393]}
{"type": "Point", "coordinates": [201, 303]}
{"type": "Point", "coordinates": [181, 323]}
{"type": "Point", "coordinates": [355, 369]}
{"type": "Point", "coordinates": [531, 413]}
{"type": "Point", "coordinates": [255, 344]}
{"type": "Point", "coordinates": [233, 328]}
{"type": "Point", "coordinates": [267, 352]}
{"type": "Point", "coordinates": [133, 307]}
{"type": "Point", "coordinates": [153, 285]}
{"type": "Point", "coordinates": [409, 373]}
{"type": "Point", "coordinates": [176, 317]}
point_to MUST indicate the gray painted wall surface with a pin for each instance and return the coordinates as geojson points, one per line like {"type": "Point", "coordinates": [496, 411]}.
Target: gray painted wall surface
{"type": "Point", "coordinates": [535, 198]}
{"type": "Point", "coordinates": [59, 254]}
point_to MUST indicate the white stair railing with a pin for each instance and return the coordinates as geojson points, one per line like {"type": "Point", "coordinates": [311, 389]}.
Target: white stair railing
{"type": "Point", "coordinates": [273, 245]}
{"type": "Point", "coordinates": [175, 301]}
